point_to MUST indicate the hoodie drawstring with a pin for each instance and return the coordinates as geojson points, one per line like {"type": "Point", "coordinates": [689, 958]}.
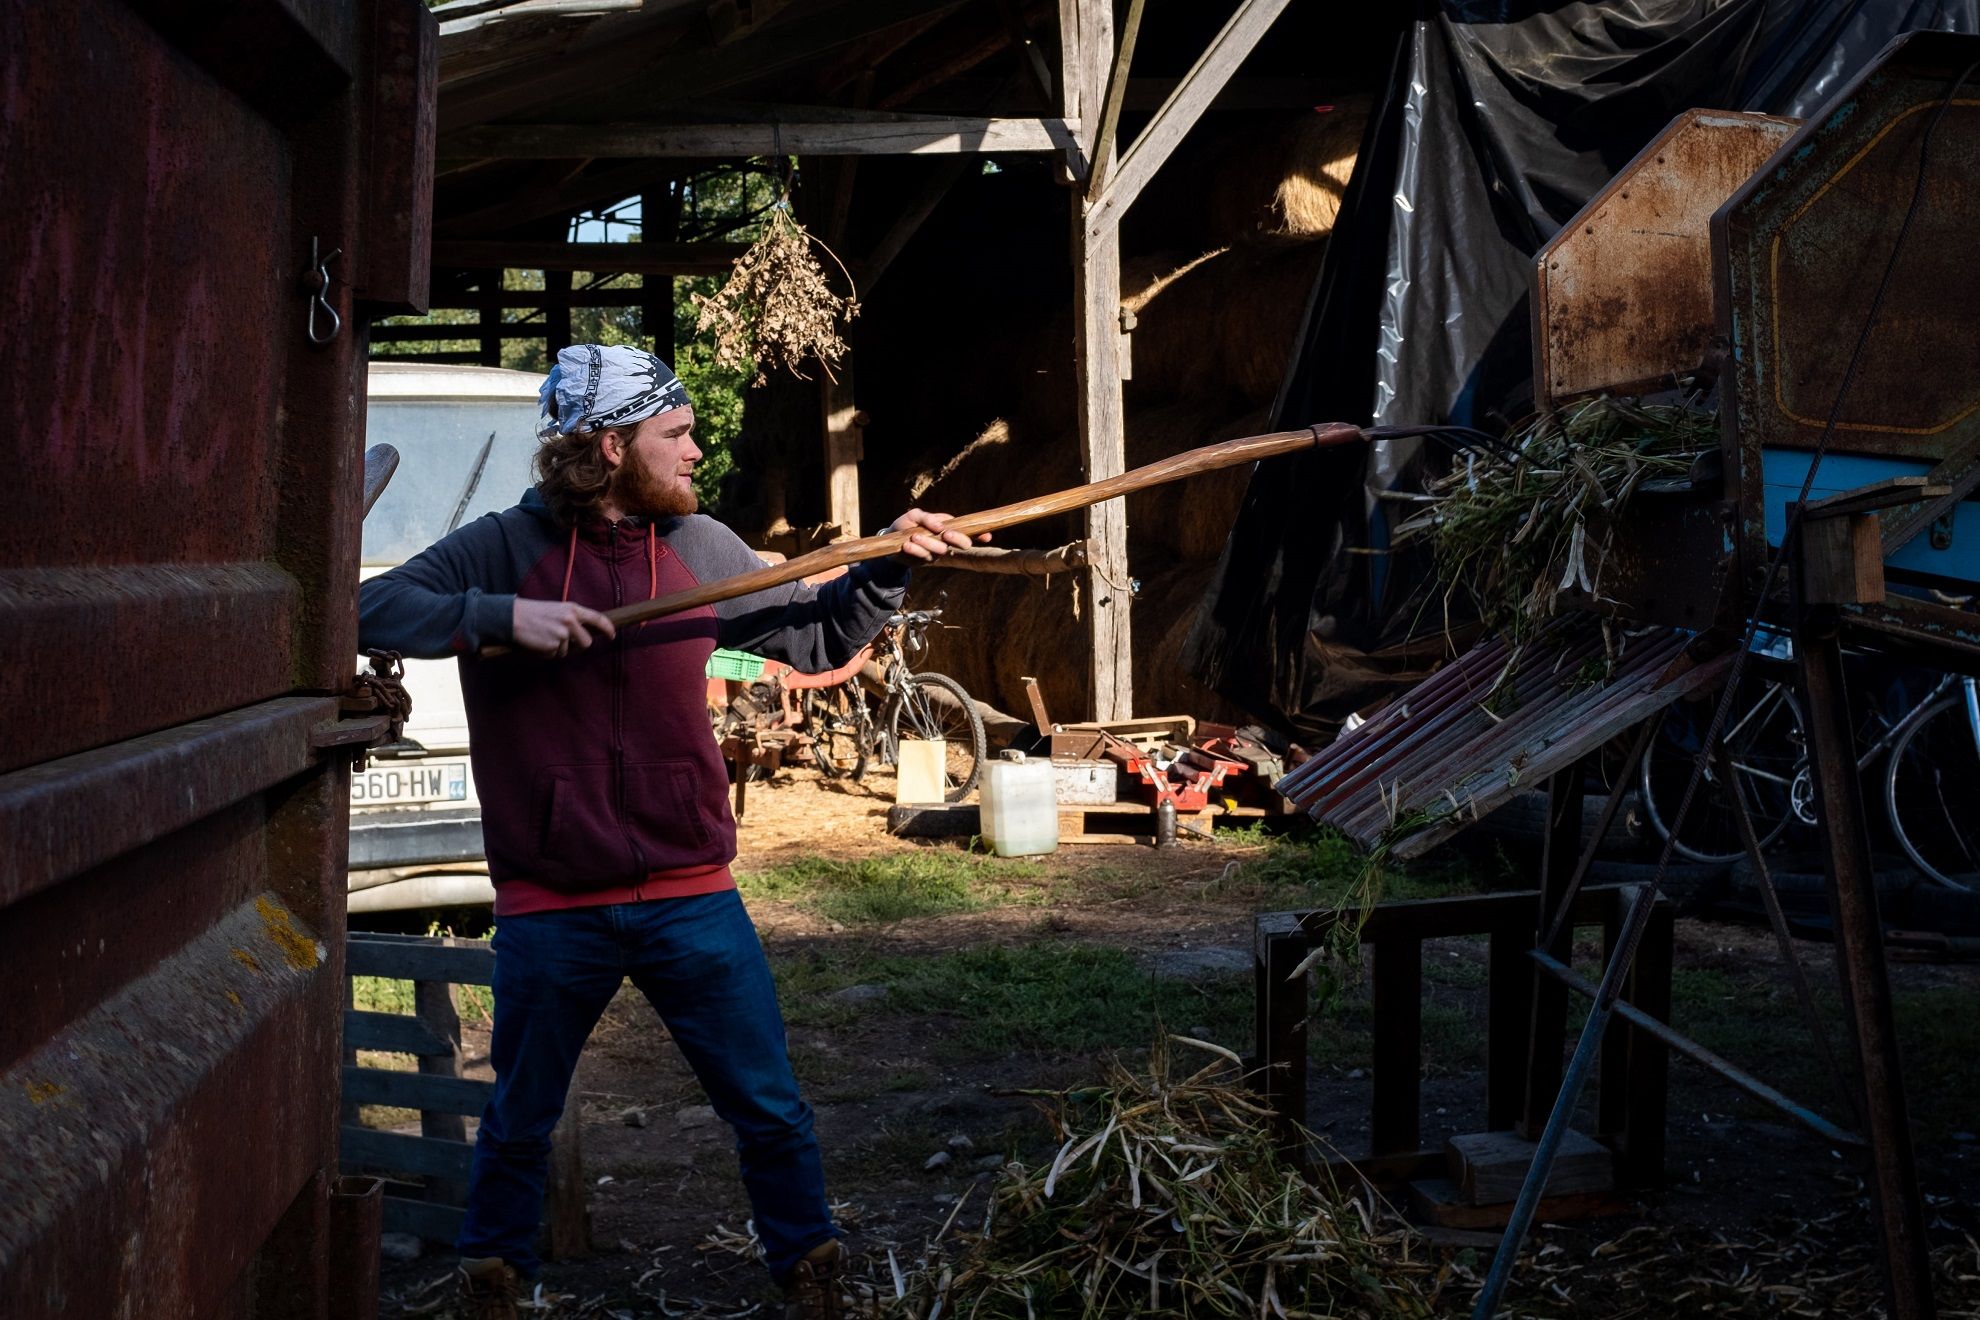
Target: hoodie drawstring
{"type": "Point", "coordinates": [652, 565]}
{"type": "Point", "coordinates": [570, 562]}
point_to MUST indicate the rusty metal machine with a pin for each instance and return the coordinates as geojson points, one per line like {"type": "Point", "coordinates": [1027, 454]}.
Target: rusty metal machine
{"type": "Point", "coordinates": [1821, 278]}
{"type": "Point", "coordinates": [210, 203]}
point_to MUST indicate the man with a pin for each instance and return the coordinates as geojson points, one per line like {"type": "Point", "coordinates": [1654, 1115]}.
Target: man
{"type": "Point", "coordinates": [604, 799]}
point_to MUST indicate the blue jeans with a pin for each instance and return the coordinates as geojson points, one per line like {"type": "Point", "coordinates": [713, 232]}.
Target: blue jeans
{"type": "Point", "coordinates": [698, 962]}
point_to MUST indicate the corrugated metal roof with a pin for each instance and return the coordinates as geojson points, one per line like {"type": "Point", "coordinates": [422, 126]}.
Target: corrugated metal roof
{"type": "Point", "coordinates": [1436, 759]}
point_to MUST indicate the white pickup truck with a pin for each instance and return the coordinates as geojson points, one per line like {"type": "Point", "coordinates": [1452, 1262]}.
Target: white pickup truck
{"type": "Point", "coordinates": [465, 436]}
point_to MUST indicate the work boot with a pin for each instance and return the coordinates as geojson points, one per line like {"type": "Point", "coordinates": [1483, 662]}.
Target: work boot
{"type": "Point", "coordinates": [490, 1288]}
{"type": "Point", "coordinates": [812, 1290]}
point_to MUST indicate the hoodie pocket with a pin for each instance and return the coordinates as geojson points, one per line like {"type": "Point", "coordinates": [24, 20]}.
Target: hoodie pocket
{"type": "Point", "coordinates": [578, 839]}
{"type": "Point", "coordinates": [664, 815]}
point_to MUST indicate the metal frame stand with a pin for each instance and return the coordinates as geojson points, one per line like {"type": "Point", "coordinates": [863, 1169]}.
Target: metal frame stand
{"type": "Point", "coordinates": [1865, 981]}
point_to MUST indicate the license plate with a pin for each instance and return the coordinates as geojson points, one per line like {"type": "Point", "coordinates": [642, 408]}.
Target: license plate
{"type": "Point", "coordinates": [386, 784]}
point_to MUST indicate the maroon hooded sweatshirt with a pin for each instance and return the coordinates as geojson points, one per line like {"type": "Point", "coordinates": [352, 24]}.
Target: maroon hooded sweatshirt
{"type": "Point", "coordinates": [599, 778]}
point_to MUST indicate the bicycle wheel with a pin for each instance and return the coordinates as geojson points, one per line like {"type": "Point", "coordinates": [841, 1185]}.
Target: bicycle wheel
{"type": "Point", "coordinates": [1933, 796]}
{"type": "Point", "coordinates": [840, 732]}
{"type": "Point", "coordinates": [1764, 741]}
{"type": "Point", "coordinates": [935, 706]}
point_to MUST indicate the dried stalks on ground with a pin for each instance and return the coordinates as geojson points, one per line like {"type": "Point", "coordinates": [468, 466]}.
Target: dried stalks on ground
{"type": "Point", "coordinates": [1166, 1197]}
{"type": "Point", "coordinates": [777, 308]}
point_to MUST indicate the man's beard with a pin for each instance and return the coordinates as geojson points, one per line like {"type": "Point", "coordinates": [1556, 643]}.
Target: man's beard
{"type": "Point", "coordinates": [636, 488]}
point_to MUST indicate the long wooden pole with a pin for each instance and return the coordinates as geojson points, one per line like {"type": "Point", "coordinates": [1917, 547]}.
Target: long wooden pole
{"type": "Point", "coordinates": [1190, 463]}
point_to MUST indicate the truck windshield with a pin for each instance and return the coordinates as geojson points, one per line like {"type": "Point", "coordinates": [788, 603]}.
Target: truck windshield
{"type": "Point", "coordinates": [440, 443]}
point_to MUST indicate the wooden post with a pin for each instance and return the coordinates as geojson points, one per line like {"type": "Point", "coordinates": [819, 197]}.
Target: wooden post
{"type": "Point", "coordinates": [659, 222]}
{"type": "Point", "coordinates": [1280, 1016]}
{"type": "Point", "coordinates": [1396, 1007]}
{"type": "Point", "coordinates": [488, 314]}
{"type": "Point", "coordinates": [1087, 50]}
{"type": "Point", "coordinates": [844, 447]}
{"type": "Point", "coordinates": [1547, 1039]}
{"type": "Point", "coordinates": [433, 1005]}
{"type": "Point", "coordinates": [566, 1218]}
{"type": "Point", "coordinates": [556, 313]}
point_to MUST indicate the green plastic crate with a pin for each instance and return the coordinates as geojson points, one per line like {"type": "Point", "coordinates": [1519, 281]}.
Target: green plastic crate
{"type": "Point", "coordinates": [740, 666]}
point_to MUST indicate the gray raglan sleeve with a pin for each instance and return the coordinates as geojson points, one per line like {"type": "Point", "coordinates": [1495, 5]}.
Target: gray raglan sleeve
{"type": "Point", "coordinates": [812, 629]}
{"type": "Point", "coordinates": [444, 601]}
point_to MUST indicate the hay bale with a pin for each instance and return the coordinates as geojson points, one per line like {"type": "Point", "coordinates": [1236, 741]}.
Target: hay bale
{"type": "Point", "coordinates": [1288, 181]}
{"type": "Point", "coordinates": [1221, 328]}
{"type": "Point", "coordinates": [1187, 521]}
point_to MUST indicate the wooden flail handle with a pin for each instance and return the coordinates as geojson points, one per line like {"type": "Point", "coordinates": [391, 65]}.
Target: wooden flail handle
{"type": "Point", "coordinates": [1190, 463]}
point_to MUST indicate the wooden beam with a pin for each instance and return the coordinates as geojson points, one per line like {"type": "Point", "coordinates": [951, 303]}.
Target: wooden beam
{"type": "Point", "coordinates": [1179, 114]}
{"type": "Point", "coordinates": [1097, 357]}
{"type": "Point", "coordinates": [1110, 114]}
{"type": "Point", "coordinates": [884, 135]}
{"type": "Point", "coordinates": [470, 217]}
{"type": "Point", "coordinates": [629, 258]}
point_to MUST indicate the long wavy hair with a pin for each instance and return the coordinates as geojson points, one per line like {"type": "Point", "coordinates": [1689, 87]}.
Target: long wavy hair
{"type": "Point", "coordinates": [572, 475]}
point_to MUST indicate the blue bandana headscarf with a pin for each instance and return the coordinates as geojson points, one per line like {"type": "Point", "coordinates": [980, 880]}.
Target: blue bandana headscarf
{"type": "Point", "coordinates": [594, 386]}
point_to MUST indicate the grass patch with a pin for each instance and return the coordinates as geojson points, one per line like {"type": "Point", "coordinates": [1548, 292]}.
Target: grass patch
{"type": "Point", "coordinates": [379, 994]}
{"type": "Point", "coordinates": [1317, 866]}
{"type": "Point", "coordinates": [1047, 996]}
{"type": "Point", "coordinates": [878, 891]}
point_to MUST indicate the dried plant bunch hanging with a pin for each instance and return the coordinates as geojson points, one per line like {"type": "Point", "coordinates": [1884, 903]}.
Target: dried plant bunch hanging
{"type": "Point", "coordinates": [777, 309]}
{"type": "Point", "coordinates": [1509, 535]}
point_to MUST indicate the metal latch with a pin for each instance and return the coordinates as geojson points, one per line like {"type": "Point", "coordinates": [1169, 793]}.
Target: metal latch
{"type": "Point", "coordinates": [372, 713]}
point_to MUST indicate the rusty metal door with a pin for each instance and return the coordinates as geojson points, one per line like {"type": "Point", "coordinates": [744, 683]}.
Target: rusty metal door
{"type": "Point", "coordinates": [178, 562]}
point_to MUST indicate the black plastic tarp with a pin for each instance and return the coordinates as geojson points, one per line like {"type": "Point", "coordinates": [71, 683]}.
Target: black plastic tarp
{"type": "Point", "coordinates": [1499, 122]}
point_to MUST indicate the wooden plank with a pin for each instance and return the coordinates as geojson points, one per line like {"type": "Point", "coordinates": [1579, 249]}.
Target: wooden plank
{"type": "Point", "coordinates": [1180, 112]}
{"type": "Point", "coordinates": [1489, 1167]}
{"type": "Point", "coordinates": [401, 1152]}
{"type": "Point", "coordinates": [1842, 560]}
{"type": "Point", "coordinates": [645, 258]}
{"type": "Point", "coordinates": [406, 1090]}
{"type": "Point", "coordinates": [1877, 495]}
{"type": "Point", "coordinates": [1436, 1201]}
{"type": "Point", "coordinates": [894, 135]}
{"type": "Point", "coordinates": [395, 1033]}
{"type": "Point", "coordinates": [567, 1220]}
{"type": "Point", "coordinates": [423, 1219]}
{"type": "Point", "coordinates": [463, 962]}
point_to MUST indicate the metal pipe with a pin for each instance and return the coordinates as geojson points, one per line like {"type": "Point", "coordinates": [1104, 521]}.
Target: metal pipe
{"type": "Point", "coordinates": [1549, 1146]}
{"type": "Point", "coordinates": [1698, 1054]}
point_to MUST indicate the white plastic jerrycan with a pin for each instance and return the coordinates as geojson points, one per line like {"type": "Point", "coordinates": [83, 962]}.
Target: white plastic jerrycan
{"type": "Point", "coordinates": [1020, 808]}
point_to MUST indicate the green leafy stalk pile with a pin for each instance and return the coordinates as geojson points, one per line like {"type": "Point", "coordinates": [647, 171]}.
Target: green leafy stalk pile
{"type": "Point", "coordinates": [1166, 1197]}
{"type": "Point", "coordinates": [1509, 535]}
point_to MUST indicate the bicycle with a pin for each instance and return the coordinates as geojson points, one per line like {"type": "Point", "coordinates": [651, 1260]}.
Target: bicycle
{"type": "Point", "coordinates": [847, 732]}
{"type": "Point", "coordinates": [1931, 780]}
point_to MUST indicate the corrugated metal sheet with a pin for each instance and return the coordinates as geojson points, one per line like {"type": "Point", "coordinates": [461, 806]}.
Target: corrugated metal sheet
{"type": "Point", "coordinates": [1436, 760]}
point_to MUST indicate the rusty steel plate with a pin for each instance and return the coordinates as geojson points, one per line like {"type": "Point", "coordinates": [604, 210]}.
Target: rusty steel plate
{"type": "Point", "coordinates": [1622, 298]}
{"type": "Point", "coordinates": [1801, 248]}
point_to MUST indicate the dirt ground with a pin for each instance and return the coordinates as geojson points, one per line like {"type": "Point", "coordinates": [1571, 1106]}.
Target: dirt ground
{"type": "Point", "coordinates": [1756, 1217]}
